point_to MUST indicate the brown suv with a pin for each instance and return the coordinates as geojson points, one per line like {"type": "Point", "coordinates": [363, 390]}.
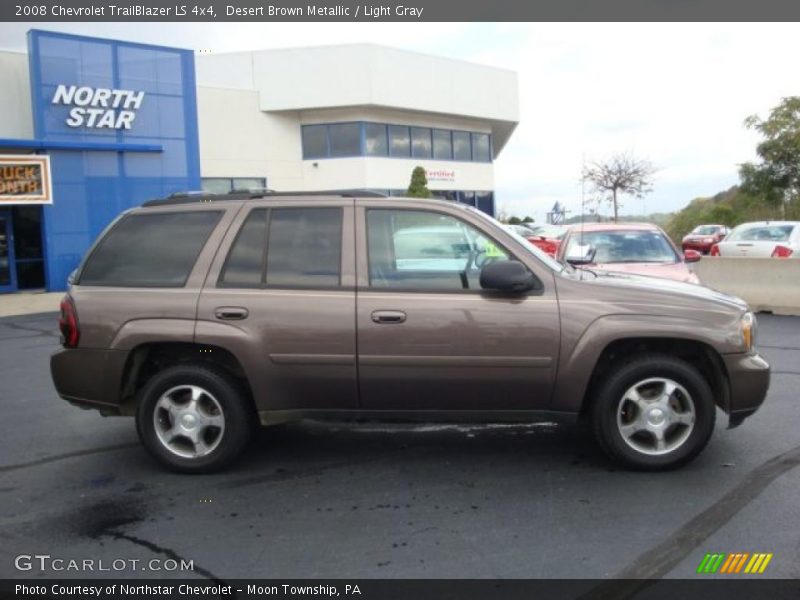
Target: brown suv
{"type": "Point", "coordinates": [203, 315]}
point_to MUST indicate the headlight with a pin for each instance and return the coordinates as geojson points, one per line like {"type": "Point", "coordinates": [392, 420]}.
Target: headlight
{"type": "Point", "coordinates": [749, 327]}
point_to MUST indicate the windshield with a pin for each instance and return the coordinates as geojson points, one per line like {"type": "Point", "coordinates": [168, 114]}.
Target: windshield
{"type": "Point", "coordinates": [610, 247]}
{"type": "Point", "coordinates": [521, 241]}
{"type": "Point", "coordinates": [705, 229]}
{"type": "Point", "coordinates": [761, 233]}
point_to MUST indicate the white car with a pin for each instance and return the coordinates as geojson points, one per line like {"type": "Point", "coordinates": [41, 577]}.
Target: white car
{"type": "Point", "coordinates": [776, 239]}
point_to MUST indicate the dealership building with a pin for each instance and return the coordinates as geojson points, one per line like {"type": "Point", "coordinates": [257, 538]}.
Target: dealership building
{"type": "Point", "coordinates": [90, 127]}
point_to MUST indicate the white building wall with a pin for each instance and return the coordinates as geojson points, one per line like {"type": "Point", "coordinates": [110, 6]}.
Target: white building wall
{"type": "Point", "coordinates": [15, 96]}
{"type": "Point", "coordinates": [252, 106]}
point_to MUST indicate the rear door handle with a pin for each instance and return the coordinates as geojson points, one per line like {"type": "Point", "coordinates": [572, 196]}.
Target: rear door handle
{"type": "Point", "coordinates": [231, 313]}
{"type": "Point", "coordinates": [388, 316]}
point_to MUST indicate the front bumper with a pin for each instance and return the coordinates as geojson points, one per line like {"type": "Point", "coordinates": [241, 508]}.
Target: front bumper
{"type": "Point", "coordinates": [749, 376]}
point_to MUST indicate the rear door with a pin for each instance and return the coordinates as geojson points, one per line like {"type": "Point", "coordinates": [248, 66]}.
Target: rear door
{"type": "Point", "coordinates": [280, 295]}
{"type": "Point", "coordinates": [428, 337]}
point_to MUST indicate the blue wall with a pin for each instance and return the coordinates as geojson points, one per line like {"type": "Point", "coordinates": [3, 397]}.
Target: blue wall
{"type": "Point", "coordinates": [91, 187]}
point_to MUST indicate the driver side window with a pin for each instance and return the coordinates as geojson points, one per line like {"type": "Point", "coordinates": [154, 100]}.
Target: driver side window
{"type": "Point", "coordinates": [425, 250]}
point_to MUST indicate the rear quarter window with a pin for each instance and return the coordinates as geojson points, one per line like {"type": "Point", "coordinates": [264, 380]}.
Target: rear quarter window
{"type": "Point", "coordinates": [150, 250]}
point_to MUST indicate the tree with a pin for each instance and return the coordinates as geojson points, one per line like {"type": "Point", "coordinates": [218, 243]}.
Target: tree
{"type": "Point", "coordinates": [514, 221]}
{"type": "Point", "coordinates": [776, 176]}
{"type": "Point", "coordinates": [418, 188]}
{"type": "Point", "coordinates": [621, 174]}
{"type": "Point", "coordinates": [528, 220]}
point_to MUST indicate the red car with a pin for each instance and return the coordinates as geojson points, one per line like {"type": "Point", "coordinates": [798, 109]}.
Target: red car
{"type": "Point", "coordinates": [703, 237]}
{"type": "Point", "coordinates": [640, 248]}
{"type": "Point", "coordinates": [545, 237]}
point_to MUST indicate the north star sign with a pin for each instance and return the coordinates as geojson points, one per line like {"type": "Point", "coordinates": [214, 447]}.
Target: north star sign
{"type": "Point", "coordinates": [99, 108]}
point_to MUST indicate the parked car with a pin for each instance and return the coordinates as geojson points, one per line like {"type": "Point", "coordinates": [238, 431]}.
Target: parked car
{"type": "Point", "coordinates": [703, 237]}
{"type": "Point", "coordinates": [548, 238]}
{"type": "Point", "coordinates": [640, 248]}
{"type": "Point", "coordinates": [522, 230]}
{"type": "Point", "coordinates": [776, 239]}
{"type": "Point", "coordinates": [545, 237]}
{"type": "Point", "coordinates": [204, 315]}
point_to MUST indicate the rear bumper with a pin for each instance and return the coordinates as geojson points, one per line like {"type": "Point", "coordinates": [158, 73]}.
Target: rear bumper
{"type": "Point", "coordinates": [749, 376]}
{"type": "Point", "coordinates": [89, 377]}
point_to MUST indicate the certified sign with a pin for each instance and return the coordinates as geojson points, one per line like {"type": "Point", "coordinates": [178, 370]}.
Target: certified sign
{"type": "Point", "coordinates": [25, 179]}
{"type": "Point", "coordinates": [440, 174]}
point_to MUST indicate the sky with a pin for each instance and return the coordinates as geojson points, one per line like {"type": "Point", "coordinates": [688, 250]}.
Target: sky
{"type": "Point", "coordinates": [673, 94]}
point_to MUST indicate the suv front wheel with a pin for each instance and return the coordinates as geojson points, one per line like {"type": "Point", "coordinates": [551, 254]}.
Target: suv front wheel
{"type": "Point", "coordinates": [655, 412]}
{"type": "Point", "coordinates": [193, 419]}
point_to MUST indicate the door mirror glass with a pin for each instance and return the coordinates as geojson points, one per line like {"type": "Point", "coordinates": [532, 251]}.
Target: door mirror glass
{"type": "Point", "coordinates": [508, 276]}
{"type": "Point", "coordinates": [581, 254]}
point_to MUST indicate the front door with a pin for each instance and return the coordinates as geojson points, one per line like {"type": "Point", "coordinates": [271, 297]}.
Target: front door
{"type": "Point", "coordinates": [7, 275]}
{"type": "Point", "coordinates": [428, 337]}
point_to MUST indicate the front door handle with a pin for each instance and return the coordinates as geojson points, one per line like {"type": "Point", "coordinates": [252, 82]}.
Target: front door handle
{"type": "Point", "coordinates": [388, 316]}
{"type": "Point", "coordinates": [231, 313]}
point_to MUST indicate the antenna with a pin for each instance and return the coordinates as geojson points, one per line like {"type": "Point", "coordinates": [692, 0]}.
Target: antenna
{"type": "Point", "coordinates": [583, 193]}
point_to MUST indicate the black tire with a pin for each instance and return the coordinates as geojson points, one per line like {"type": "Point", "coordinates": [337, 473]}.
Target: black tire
{"type": "Point", "coordinates": [610, 395]}
{"type": "Point", "coordinates": [232, 402]}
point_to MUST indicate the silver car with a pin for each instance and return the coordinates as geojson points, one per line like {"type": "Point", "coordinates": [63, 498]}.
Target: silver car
{"type": "Point", "coordinates": [777, 239]}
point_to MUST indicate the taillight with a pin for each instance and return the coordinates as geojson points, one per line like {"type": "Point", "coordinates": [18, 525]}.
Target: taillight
{"type": "Point", "coordinates": [68, 324]}
{"type": "Point", "coordinates": [781, 252]}
{"type": "Point", "coordinates": [714, 250]}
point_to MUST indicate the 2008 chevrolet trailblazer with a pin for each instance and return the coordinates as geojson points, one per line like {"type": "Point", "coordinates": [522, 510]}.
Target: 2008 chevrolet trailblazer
{"type": "Point", "coordinates": [203, 315]}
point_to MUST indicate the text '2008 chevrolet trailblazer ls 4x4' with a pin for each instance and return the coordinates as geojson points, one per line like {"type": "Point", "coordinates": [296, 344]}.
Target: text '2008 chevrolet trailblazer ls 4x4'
{"type": "Point", "coordinates": [202, 316]}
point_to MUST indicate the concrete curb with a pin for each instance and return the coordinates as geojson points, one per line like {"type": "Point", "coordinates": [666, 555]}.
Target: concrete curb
{"type": "Point", "coordinates": [771, 284]}
{"type": "Point", "coordinates": [29, 303]}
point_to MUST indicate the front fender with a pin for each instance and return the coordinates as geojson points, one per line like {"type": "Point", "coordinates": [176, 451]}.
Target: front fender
{"type": "Point", "coordinates": [581, 354]}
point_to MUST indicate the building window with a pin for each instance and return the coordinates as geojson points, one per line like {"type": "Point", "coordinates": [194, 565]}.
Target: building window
{"type": "Point", "coordinates": [467, 198]}
{"type": "Point", "coordinates": [225, 185]}
{"type": "Point", "coordinates": [420, 142]}
{"type": "Point", "coordinates": [340, 140]}
{"type": "Point", "coordinates": [442, 144]}
{"type": "Point", "coordinates": [376, 142]}
{"type": "Point", "coordinates": [315, 141]}
{"type": "Point", "coordinates": [481, 151]}
{"type": "Point", "coordinates": [484, 201]}
{"type": "Point", "coordinates": [399, 141]}
{"type": "Point", "coordinates": [344, 139]}
{"type": "Point", "coordinates": [462, 146]}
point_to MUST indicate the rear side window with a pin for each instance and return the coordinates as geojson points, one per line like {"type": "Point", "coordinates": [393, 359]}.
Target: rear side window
{"type": "Point", "coordinates": [286, 247]}
{"type": "Point", "coordinates": [150, 250]}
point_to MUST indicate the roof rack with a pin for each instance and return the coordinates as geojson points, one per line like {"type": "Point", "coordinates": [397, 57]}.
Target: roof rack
{"type": "Point", "coordinates": [194, 196]}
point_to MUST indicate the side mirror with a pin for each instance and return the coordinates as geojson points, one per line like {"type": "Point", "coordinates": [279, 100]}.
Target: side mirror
{"type": "Point", "coordinates": [581, 255]}
{"type": "Point", "coordinates": [507, 276]}
{"type": "Point", "coordinates": [72, 275]}
{"type": "Point", "coordinates": [691, 256]}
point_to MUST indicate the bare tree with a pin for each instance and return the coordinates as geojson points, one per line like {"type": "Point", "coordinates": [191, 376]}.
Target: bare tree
{"type": "Point", "coordinates": [621, 174]}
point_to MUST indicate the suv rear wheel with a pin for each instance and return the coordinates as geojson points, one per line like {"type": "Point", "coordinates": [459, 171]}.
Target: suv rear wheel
{"type": "Point", "coordinates": [193, 419]}
{"type": "Point", "coordinates": [655, 412]}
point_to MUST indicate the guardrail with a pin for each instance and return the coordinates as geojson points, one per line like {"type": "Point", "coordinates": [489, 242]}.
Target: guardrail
{"type": "Point", "coordinates": [767, 284]}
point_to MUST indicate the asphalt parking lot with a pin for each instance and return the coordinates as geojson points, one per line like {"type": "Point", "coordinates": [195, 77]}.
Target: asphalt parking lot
{"type": "Point", "coordinates": [313, 500]}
